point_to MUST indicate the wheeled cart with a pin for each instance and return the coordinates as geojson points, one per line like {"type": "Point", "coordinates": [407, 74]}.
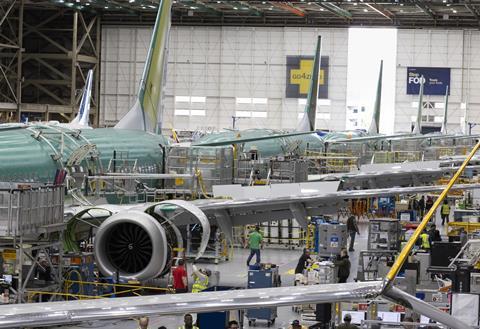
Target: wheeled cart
{"type": "Point", "coordinates": [263, 278]}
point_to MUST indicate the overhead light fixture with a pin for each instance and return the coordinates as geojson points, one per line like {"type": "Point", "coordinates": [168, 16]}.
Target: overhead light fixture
{"type": "Point", "coordinates": [355, 4]}
{"type": "Point", "coordinates": [235, 8]}
{"type": "Point", "coordinates": [193, 8]}
{"type": "Point", "coordinates": [219, 2]}
{"type": "Point", "coordinates": [365, 10]}
{"type": "Point", "coordinates": [401, 4]}
{"type": "Point", "coordinates": [454, 11]}
{"type": "Point", "coordinates": [444, 1]}
{"type": "Point", "coordinates": [106, 7]}
{"type": "Point", "coordinates": [321, 9]}
{"type": "Point", "coordinates": [264, 2]}
{"type": "Point", "coordinates": [132, 1]}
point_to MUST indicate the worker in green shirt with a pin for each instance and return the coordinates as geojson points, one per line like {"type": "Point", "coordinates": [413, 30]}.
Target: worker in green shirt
{"type": "Point", "coordinates": [254, 241]}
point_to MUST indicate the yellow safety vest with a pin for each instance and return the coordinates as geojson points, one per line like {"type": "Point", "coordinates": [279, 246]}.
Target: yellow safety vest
{"type": "Point", "coordinates": [445, 209]}
{"type": "Point", "coordinates": [200, 284]}
{"type": "Point", "coordinates": [425, 241]}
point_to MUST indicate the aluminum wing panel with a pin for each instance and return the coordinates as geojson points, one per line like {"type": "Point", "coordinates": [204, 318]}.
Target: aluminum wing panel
{"type": "Point", "coordinates": [206, 205]}
{"type": "Point", "coordinates": [241, 140]}
{"type": "Point", "coordinates": [274, 208]}
{"type": "Point", "coordinates": [53, 313]}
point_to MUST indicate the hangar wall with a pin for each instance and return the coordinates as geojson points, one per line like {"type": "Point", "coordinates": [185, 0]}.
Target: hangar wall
{"type": "Point", "coordinates": [215, 73]}
{"type": "Point", "coordinates": [456, 49]}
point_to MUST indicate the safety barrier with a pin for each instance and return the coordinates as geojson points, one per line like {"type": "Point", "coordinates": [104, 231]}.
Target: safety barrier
{"type": "Point", "coordinates": [115, 290]}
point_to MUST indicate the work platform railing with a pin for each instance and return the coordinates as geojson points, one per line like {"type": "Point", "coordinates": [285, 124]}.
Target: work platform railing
{"type": "Point", "coordinates": [29, 212]}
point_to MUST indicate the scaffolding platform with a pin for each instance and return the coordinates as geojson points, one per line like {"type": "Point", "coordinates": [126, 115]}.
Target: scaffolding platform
{"type": "Point", "coordinates": [31, 211]}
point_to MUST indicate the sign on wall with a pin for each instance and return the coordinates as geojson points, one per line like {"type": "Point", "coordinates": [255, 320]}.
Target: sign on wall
{"type": "Point", "coordinates": [299, 74]}
{"type": "Point", "coordinates": [436, 80]}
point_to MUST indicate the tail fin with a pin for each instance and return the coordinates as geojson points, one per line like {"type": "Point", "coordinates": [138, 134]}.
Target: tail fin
{"type": "Point", "coordinates": [375, 125]}
{"type": "Point", "coordinates": [445, 111]}
{"type": "Point", "coordinates": [418, 125]}
{"type": "Point", "coordinates": [144, 113]}
{"type": "Point", "coordinates": [310, 114]}
{"type": "Point", "coordinates": [84, 109]}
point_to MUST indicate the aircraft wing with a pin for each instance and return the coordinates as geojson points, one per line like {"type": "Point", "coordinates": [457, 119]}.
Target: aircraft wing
{"type": "Point", "coordinates": [435, 137]}
{"type": "Point", "coordinates": [264, 206]}
{"type": "Point", "coordinates": [63, 313]}
{"type": "Point", "coordinates": [55, 313]}
{"type": "Point", "coordinates": [241, 140]}
{"type": "Point", "coordinates": [364, 139]}
{"type": "Point", "coordinates": [385, 175]}
{"type": "Point", "coordinates": [400, 137]}
{"type": "Point", "coordinates": [233, 212]}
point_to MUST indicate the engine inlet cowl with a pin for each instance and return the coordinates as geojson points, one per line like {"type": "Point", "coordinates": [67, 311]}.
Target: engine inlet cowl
{"type": "Point", "coordinates": [132, 243]}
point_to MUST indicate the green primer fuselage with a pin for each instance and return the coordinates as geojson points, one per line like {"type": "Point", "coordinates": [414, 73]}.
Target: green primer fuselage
{"type": "Point", "coordinates": [267, 147]}
{"type": "Point", "coordinates": [35, 152]}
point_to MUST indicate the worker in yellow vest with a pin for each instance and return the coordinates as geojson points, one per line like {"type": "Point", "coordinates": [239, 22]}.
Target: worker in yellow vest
{"type": "Point", "coordinates": [200, 279]}
{"type": "Point", "coordinates": [425, 238]}
{"type": "Point", "coordinates": [445, 211]}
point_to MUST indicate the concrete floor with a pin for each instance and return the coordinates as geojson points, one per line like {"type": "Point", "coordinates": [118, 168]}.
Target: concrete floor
{"type": "Point", "coordinates": [234, 273]}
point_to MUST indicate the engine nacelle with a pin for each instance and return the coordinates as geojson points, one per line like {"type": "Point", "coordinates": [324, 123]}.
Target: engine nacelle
{"type": "Point", "coordinates": [134, 244]}
{"type": "Point", "coordinates": [138, 243]}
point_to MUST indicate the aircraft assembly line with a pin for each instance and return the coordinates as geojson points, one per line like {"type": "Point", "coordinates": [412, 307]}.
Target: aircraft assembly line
{"type": "Point", "coordinates": [118, 222]}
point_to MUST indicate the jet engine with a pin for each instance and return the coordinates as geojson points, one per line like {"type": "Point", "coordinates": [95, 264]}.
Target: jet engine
{"type": "Point", "coordinates": [137, 244]}
{"type": "Point", "coordinates": [134, 244]}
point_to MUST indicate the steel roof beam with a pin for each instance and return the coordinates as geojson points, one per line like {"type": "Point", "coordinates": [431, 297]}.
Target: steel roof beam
{"type": "Point", "coordinates": [208, 8]}
{"type": "Point", "coordinates": [241, 4]}
{"type": "Point", "coordinates": [292, 9]}
{"type": "Point", "coordinates": [252, 7]}
{"type": "Point", "coordinates": [472, 9]}
{"type": "Point", "coordinates": [381, 10]}
{"type": "Point", "coordinates": [334, 9]}
{"type": "Point", "coordinates": [426, 9]}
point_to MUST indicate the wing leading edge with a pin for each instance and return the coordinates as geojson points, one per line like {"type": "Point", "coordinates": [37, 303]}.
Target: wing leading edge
{"type": "Point", "coordinates": [52, 313]}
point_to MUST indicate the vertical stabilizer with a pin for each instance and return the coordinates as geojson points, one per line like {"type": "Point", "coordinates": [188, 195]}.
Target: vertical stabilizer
{"type": "Point", "coordinates": [84, 109]}
{"type": "Point", "coordinates": [375, 125]}
{"type": "Point", "coordinates": [418, 124]}
{"type": "Point", "coordinates": [144, 113]}
{"type": "Point", "coordinates": [308, 120]}
{"type": "Point", "coordinates": [445, 112]}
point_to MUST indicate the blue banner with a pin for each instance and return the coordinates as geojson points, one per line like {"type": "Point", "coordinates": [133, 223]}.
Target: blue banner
{"type": "Point", "coordinates": [436, 80]}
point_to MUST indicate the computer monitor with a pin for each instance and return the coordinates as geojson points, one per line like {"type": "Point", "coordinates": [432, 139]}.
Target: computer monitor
{"type": "Point", "coordinates": [390, 316]}
{"type": "Point", "coordinates": [424, 319]}
{"type": "Point", "coordinates": [357, 317]}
